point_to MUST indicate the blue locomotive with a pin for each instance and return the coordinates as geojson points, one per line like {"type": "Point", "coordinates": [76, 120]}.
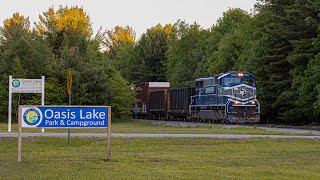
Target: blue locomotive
{"type": "Point", "coordinates": [227, 97]}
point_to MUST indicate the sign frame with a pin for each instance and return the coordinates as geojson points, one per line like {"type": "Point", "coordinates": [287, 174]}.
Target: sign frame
{"type": "Point", "coordinates": [108, 154]}
{"type": "Point", "coordinates": [10, 100]}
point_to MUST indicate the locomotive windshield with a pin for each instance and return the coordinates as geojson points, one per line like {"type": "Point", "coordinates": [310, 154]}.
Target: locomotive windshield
{"type": "Point", "coordinates": [232, 81]}
{"type": "Point", "coordinates": [249, 81]}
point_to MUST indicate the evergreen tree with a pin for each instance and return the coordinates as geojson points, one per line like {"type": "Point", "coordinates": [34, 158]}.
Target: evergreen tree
{"type": "Point", "coordinates": [291, 30]}
{"type": "Point", "coordinates": [123, 60]}
{"type": "Point", "coordinates": [309, 90]}
{"type": "Point", "coordinates": [150, 53]}
{"type": "Point", "coordinates": [226, 42]}
{"type": "Point", "coordinates": [273, 58]}
{"type": "Point", "coordinates": [183, 55]}
{"type": "Point", "coordinates": [117, 38]}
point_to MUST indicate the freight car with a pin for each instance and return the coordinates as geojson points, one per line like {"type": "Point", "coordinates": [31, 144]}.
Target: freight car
{"type": "Point", "coordinates": [170, 104]}
{"type": "Point", "coordinates": [158, 104]}
{"type": "Point", "coordinates": [178, 103]}
{"type": "Point", "coordinates": [229, 97]}
{"type": "Point", "coordinates": [143, 90]}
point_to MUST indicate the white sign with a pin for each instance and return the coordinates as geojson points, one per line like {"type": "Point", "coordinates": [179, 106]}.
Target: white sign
{"type": "Point", "coordinates": [26, 85]}
{"type": "Point", "coordinates": [159, 84]}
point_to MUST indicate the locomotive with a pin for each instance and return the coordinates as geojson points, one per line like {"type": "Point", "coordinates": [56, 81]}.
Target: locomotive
{"type": "Point", "coordinates": [227, 97]}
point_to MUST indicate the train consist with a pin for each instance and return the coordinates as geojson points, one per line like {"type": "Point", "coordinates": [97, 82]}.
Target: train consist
{"type": "Point", "coordinates": [227, 97]}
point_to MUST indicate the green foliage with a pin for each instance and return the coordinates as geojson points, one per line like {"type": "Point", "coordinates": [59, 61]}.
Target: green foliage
{"type": "Point", "coordinates": [287, 47]}
{"type": "Point", "coordinates": [309, 99]}
{"type": "Point", "coordinates": [228, 40]}
{"type": "Point", "coordinates": [279, 43]}
{"type": "Point", "coordinates": [64, 27]}
{"type": "Point", "coordinates": [4, 90]}
{"type": "Point", "coordinates": [182, 54]}
{"type": "Point", "coordinates": [60, 42]}
{"type": "Point", "coordinates": [117, 38]}
{"type": "Point", "coordinates": [123, 60]}
{"type": "Point", "coordinates": [13, 28]}
{"type": "Point", "coordinates": [150, 54]}
{"type": "Point", "coordinates": [122, 97]}
{"type": "Point", "coordinates": [24, 55]}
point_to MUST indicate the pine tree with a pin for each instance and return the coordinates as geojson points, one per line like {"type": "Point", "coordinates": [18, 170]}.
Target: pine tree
{"type": "Point", "coordinates": [225, 41]}
{"type": "Point", "coordinates": [182, 54]}
{"type": "Point", "coordinates": [150, 54]}
{"type": "Point", "coordinates": [273, 58]}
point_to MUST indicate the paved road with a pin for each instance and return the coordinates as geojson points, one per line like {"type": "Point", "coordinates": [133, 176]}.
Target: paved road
{"type": "Point", "coordinates": [217, 136]}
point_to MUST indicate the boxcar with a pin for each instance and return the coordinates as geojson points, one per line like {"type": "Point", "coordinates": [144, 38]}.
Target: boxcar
{"type": "Point", "coordinates": [143, 91]}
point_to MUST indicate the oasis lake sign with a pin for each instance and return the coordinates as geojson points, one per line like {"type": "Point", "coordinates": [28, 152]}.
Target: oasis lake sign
{"type": "Point", "coordinates": [64, 117]}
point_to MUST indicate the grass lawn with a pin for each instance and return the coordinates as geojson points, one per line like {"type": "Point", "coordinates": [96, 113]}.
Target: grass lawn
{"type": "Point", "coordinates": [161, 158]}
{"type": "Point", "coordinates": [134, 126]}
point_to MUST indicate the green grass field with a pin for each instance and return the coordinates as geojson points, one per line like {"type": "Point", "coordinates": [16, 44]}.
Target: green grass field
{"type": "Point", "coordinates": [134, 126]}
{"type": "Point", "coordinates": [161, 158]}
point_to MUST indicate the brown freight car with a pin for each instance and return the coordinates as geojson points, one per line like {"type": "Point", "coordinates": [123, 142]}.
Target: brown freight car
{"type": "Point", "coordinates": [143, 91]}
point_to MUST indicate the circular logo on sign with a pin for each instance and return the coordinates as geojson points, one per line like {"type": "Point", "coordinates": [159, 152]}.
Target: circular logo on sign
{"type": "Point", "coordinates": [15, 83]}
{"type": "Point", "coordinates": [32, 116]}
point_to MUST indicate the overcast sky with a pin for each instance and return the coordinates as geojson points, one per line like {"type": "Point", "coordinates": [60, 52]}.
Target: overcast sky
{"type": "Point", "coordinates": [139, 14]}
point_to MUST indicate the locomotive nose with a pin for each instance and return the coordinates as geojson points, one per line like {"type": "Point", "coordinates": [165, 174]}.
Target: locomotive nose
{"type": "Point", "coordinates": [243, 92]}
{"type": "Point", "coordinates": [243, 114]}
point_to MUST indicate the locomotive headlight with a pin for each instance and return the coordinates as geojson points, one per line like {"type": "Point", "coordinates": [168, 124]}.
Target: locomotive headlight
{"type": "Point", "coordinates": [240, 74]}
{"type": "Point", "coordinates": [253, 102]}
{"type": "Point", "coordinates": [236, 102]}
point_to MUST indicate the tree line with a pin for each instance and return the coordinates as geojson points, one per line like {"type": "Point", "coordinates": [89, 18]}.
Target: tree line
{"type": "Point", "coordinates": [62, 39]}
{"type": "Point", "coordinates": [278, 42]}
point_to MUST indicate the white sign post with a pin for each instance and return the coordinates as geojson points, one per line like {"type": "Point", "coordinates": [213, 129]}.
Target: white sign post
{"type": "Point", "coordinates": [24, 86]}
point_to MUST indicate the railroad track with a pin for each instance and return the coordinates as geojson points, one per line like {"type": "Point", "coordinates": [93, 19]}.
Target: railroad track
{"type": "Point", "coordinates": [315, 130]}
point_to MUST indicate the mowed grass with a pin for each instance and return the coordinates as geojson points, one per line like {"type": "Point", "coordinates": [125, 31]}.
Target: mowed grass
{"type": "Point", "coordinates": [161, 158]}
{"type": "Point", "coordinates": [135, 126]}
